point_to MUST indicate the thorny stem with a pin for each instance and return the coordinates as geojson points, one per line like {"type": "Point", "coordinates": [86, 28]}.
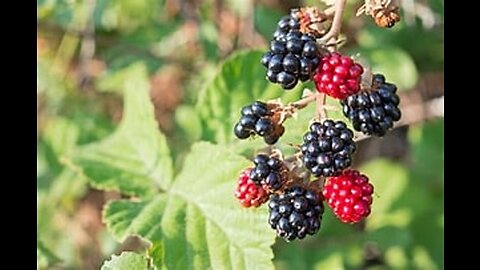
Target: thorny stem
{"type": "Point", "coordinates": [337, 21]}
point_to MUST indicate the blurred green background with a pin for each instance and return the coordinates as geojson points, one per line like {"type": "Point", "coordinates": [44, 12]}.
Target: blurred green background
{"type": "Point", "coordinates": [82, 47]}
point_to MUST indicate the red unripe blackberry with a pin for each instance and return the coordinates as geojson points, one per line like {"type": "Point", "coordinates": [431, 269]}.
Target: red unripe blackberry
{"type": "Point", "coordinates": [248, 193]}
{"type": "Point", "coordinates": [349, 195]}
{"type": "Point", "coordinates": [338, 76]}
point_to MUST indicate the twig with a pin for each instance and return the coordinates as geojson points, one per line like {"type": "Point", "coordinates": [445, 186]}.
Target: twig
{"type": "Point", "coordinates": [302, 103]}
{"type": "Point", "coordinates": [321, 111]}
{"type": "Point", "coordinates": [337, 21]}
{"type": "Point", "coordinates": [87, 49]}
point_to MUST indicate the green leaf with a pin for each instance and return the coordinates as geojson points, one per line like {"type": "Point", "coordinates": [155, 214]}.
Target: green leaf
{"type": "Point", "coordinates": [198, 223]}
{"type": "Point", "coordinates": [240, 81]}
{"type": "Point", "coordinates": [61, 134]}
{"type": "Point", "coordinates": [188, 122]}
{"type": "Point", "coordinates": [428, 151]}
{"type": "Point", "coordinates": [45, 257]}
{"type": "Point", "coordinates": [266, 20]}
{"type": "Point", "coordinates": [390, 180]}
{"type": "Point", "coordinates": [135, 159]}
{"type": "Point", "coordinates": [126, 261]}
{"type": "Point", "coordinates": [393, 62]}
{"type": "Point", "coordinates": [335, 261]}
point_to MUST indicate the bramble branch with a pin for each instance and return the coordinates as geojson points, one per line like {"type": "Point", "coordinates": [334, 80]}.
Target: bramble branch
{"type": "Point", "coordinates": [336, 23]}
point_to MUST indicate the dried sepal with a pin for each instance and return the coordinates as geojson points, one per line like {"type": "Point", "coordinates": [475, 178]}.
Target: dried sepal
{"type": "Point", "coordinates": [384, 12]}
{"type": "Point", "coordinates": [311, 20]}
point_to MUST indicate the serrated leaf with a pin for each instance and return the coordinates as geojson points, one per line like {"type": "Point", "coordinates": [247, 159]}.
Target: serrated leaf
{"type": "Point", "coordinates": [198, 223]}
{"type": "Point", "coordinates": [240, 81]}
{"type": "Point", "coordinates": [126, 261]}
{"type": "Point", "coordinates": [135, 159]}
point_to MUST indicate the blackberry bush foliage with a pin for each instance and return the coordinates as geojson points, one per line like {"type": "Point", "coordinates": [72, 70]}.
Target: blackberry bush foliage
{"type": "Point", "coordinates": [295, 186]}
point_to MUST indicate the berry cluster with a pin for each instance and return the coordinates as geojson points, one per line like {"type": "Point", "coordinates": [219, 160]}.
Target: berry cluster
{"type": "Point", "coordinates": [295, 213]}
{"type": "Point", "coordinates": [247, 192]}
{"type": "Point", "coordinates": [295, 203]}
{"type": "Point", "coordinates": [293, 55]}
{"type": "Point", "coordinates": [338, 76]}
{"type": "Point", "coordinates": [256, 119]}
{"type": "Point", "coordinates": [267, 172]}
{"type": "Point", "coordinates": [373, 113]}
{"type": "Point", "coordinates": [349, 195]}
{"type": "Point", "coordinates": [328, 147]}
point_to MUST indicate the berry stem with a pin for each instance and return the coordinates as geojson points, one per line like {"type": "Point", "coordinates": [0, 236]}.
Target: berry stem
{"type": "Point", "coordinates": [321, 111]}
{"type": "Point", "coordinates": [302, 103]}
{"type": "Point", "coordinates": [290, 109]}
{"type": "Point", "coordinates": [337, 22]}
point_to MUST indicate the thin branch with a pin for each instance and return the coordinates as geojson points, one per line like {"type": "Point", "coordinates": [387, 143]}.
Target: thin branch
{"type": "Point", "coordinates": [337, 21]}
{"type": "Point", "coordinates": [87, 49]}
{"type": "Point", "coordinates": [321, 110]}
{"type": "Point", "coordinates": [302, 103]}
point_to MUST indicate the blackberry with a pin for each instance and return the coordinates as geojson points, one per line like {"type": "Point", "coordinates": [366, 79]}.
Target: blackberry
{"type": "Point", "coordinates": [248, 193]}
{"type": "Point", "coordinates": [373, 113]}
{"type": "Point", "coordinates": [256, 119]}
{"type": "Point", "coordinates": [295, 213]}
{"type": "Point", "coordinates": [293, 55]}
{"type": "Point", "coordinates": [327, 148]}
{"type": "Point", "coordinates": [338, 76]}
{"type": "Point", "coordinates": [268, 172]}
{"type": "Point", "coordinates": [349, 195]}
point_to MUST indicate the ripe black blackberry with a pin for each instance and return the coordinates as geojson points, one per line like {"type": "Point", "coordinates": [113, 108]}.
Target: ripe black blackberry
{"type": "Point", "coordinates": [295, 213]}
{"type": "Point", "coordinates": [373, 113]}
{"type": "Point", "coordinates": [286, 25]}
{"type": "Point", "coordinates": [293, 55]}
{"type": "Point", "coordinates": [328, 147]}
{"type": "Point", "coordinates": [268, 172]}
{"type": "Point", "coordinates": [256, 119]}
